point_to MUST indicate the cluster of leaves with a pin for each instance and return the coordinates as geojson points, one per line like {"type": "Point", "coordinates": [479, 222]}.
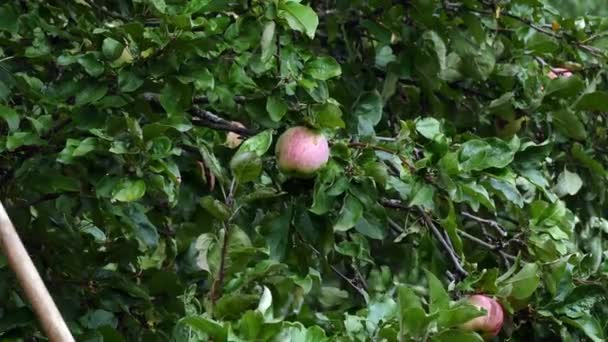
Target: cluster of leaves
{"type": "Point", "coordinates": [574, 8]}
{"type": "Point", "coordinates": [457, 166]}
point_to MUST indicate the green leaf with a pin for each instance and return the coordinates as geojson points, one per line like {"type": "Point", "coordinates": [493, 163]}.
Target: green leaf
{"type": "Point", "coordinates": [328, 115]}
{"type": "Point", "coordinates": [569, 124]}
{"type": "Point", "coordinates": [413, 319]}
{"type": "Point", "coordinates": [218, 209]}
{"type": "Point", "coordinates": [91, 93]}
{"type": "Point", "coordinates": [204, 80]}
{"type": "Point", "coordinates": [478, 154]}
{"type": "Point", "coordinates": [246, 166]}
{"type": "Point", "coordinates": [541, 43]}
{"type": "Point", "coordinates": [11, 117]}
{"type": "Point", "coordinates": [212, 328]}
{"type": "Point", "coordinates": [522, 284]}
{"type": "Point", "coordinates": [370, 228]}
{"type": "Point", "coordinates": [381, 310]}
{"type": "Point", "coordinates": [250, 324]}
{"type": "Point", "coordinates": [91, 64]}
{"type": "Point", "coordinates": [351, 213]}
{"type": "Point", "coordinates": [299, 17]}
{"type": "Point", "coordinates": [98, 318]}
{"type": "Point", "coordinates": [581, 156]}
{"type": "Point", "coordinates": [276, 108]}
{"type": "Point", "coordinates": [144, 230]}
{"type": "Point", "coordinates": [565, 87]}
{"type": "Point", "coordinates": [473, 194]}
{"type": "Point", "coordinates": [160, 5]}
{"type": "Point", "coordinates": [596, 101]}
{"type": "Point", "coordinates": [258, 144]}
{"type": "Point", "coordinates": [424, 197]}
{"type": "Point", "coordinates": [507, 189]}
{"type": "Point", "coordinates": [275, 229]}
{"type": "Point", "coordinates": [76, 148]}
{"type": "Point", "coordinates": [239, 77]}
{"type": "Point", "coordinates": [435, 44]}
{"type": "Point", "coordinates": [267, 42]}
{"type": "Point", "coordinates": [568, 183]}
{"type": "Point", "coordinates": [439, 297]}
{"type": "Point", "coordinates": [457, 335]}
{"type": "Point", "coordinates": [111, 48]}
{"type": "Point", "coordinates": [428, 128]}
{"type": "Point", "coordinates": [384, 56]}
{"type": "Point", "coordinates": [19, 139]}
{"type": "Point", "coordinates": [175, 97]}
{"type": "Point", "coordinates": [479, 64]}
{"type": "Point", "coordinates": [368, 112]}
{"type": "Point", "coordinates": [458, 315]}
{"type": "Point", "coordinates": [128, 81]}
{"type": "Point", "coordinates": [589, 325]}
{"type": "Point", "coordinates": [9, 19]}
{"type": "Point", "coordinates": [323, 68]}
{"type": "Point", "coordinates": [129, 190]}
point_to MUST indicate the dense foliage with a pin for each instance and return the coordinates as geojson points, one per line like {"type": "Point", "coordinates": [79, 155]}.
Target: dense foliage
{"type": "Point", "coordinates": [457, 167]}
{"type": "Point", "coordinates": [573, 8]}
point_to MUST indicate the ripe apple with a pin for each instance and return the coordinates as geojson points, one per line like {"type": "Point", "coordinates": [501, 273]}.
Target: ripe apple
{"type": "Point", "coordinates": [490, 324]}
{"type": "Point", "coordinates": [301, 151]}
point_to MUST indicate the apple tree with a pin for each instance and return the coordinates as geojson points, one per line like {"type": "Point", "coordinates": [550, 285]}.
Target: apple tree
{"type": "Point", "coordinates": [464, 148]}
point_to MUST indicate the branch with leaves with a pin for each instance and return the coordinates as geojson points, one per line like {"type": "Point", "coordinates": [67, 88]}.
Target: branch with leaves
{"type": "Point", "coordinates": [206, 118]}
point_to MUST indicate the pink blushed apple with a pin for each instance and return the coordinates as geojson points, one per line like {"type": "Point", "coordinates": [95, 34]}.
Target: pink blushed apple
{"type": "Point", "coordinates": [490, 324]}
{"type": "Point", "coordinates": [301, 151]}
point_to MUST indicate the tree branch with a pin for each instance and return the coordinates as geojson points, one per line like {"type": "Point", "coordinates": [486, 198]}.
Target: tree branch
{"type": "Point", "coordinates": [451, 253]}
{"type": "Point", "coordinates": [488, 222]}
{"type": "Point", "coordinates": [216, 288]}
{"type": "Point", "coordinates": [336, 270]}
{"type": "Point", "coordinates": [44, 198]}
{"type": "Point", "coordinates": [206, 118]}
{"type": "Point", "coordinates": [591, 49]}
{"type": "Point", "coordinates": [487, 245]}
{"type": "Point", "coordinates": [393, 204]}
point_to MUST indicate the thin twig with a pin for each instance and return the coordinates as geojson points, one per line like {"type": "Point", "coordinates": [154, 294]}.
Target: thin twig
{"type": "Point", "coordinates": [47, 197]}
{"type": "Point", "coordinates": [395, 226]}
{"type": "Point", "coordinates": [486, 245]}
{"type": "Point", "coordinates": [451, 253]}
{"type": "Point", "coordinates": [360, 276]}
{"type": "Point", "coordinates": [393, 204]}
{"type": "Point", "coordinates": [488, 222]}
{"type": "Point", "coordinates": [591, 49]}
{"type": "Point", "coordinates": [211, 120]}
{"type": "Point", "coordinates": [349, 281]}
{"type": "Point", "coordinates": [336, 270]}
{"type": "Point", "coordinates": [216, 288]}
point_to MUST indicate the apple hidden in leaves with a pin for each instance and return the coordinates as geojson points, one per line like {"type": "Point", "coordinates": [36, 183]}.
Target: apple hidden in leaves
{"type": "Point", "coordinates": [301, 152]}
{"type": "Point", "coordinates": [490, 324]}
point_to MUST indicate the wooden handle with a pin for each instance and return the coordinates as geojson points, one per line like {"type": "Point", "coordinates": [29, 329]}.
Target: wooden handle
{"type": "Point", "coordinates": [36, 292]}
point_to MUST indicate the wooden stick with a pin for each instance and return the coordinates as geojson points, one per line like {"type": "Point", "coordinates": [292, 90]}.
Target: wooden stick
{"type": "Point", "coordinates": [36, 292]}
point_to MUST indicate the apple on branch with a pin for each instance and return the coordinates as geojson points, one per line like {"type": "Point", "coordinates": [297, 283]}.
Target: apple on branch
{"type": "Point", "coordinates": [301, 152]}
